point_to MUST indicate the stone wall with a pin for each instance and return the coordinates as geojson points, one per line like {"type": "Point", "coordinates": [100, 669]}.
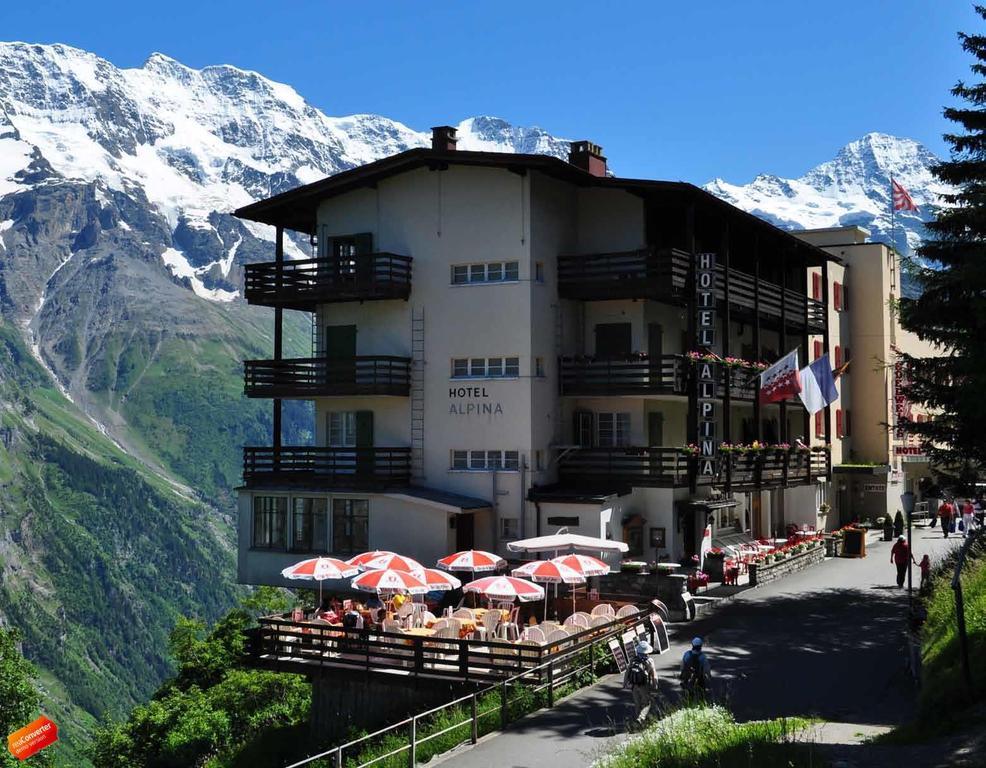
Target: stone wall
{"type": "Point", "coordinates": [764, 574]}
{"type": "Point", "coordinates": [646, 586]}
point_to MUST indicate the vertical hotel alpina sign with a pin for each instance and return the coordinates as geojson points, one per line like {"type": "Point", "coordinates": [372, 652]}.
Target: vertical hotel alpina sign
{"type": "Point", "coordinates": [705, 336]}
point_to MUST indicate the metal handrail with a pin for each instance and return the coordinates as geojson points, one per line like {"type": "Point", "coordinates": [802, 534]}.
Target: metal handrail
{"type": "Point", "coordinates": [474, 715]}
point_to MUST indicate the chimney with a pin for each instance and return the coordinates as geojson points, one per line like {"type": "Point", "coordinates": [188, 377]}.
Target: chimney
{"type": "Point", "coordinates": [588, 157]}
{"type": "Point", "coordinates": [443, 138]}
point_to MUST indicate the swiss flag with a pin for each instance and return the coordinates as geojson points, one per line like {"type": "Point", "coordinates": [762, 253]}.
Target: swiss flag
{"type": "Point", "coordinates": [782, 380]}
{"type": "Point", "coordinates": [902, 198]}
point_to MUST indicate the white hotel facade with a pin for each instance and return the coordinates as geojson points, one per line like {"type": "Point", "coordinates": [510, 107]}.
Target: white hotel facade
{"type": "Point", "coordinates": [500, 350]}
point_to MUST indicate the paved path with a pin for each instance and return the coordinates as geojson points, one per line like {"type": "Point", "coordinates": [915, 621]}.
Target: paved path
{"type": "Point", "coordinates": [827, 641]}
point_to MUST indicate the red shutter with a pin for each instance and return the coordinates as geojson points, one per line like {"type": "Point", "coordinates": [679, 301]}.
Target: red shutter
{"type": "Point", "coordinates": [838, 355]}
{"type": "Point", "coordinates": [837, 296]}
{"type": "Point", "coordinates": [819, 424]}
{"type": "Point", "coordinates": [816, 286]}
{"type": "Point", "coordinates": [838, 423]}
{"type": "Point", "coordinates": [818, 350]}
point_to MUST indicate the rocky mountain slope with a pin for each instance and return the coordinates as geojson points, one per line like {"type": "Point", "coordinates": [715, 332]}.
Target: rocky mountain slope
{"type": "Point", "coordinates": [122, 332]}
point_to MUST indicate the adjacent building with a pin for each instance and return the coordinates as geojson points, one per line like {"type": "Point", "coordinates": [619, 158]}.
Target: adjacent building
{"type": "Point", "coordinates": [504, 345]}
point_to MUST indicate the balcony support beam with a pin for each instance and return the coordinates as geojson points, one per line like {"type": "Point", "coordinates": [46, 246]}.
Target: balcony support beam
{"type": "Point", "coordinates": [727, 374]}
{"type": "Point", "coordinates": [278, 336]}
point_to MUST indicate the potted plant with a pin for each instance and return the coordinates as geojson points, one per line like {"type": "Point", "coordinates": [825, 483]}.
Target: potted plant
{"type": "Point", "coordinates": [713, 564]}
{"type": "Point", "coordinates": [888, 527]}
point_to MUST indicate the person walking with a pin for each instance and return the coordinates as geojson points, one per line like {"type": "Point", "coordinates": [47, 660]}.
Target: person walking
{"type": "Point", "coordinates": [945, 512]}
{"type": "Point", "coordinates": [641, 679]}
{"type": "Point", "coordinates": [695, 670]}
{"type": "Point", "coordinates": [968, 513]}
{"type": "Point", "coordinates": [925, 567]}
{"type": "Point", "coordinates": [900, 555]}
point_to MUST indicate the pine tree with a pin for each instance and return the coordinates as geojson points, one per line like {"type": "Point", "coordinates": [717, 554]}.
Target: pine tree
{"type": "Point", "coordinates": [951, 310]}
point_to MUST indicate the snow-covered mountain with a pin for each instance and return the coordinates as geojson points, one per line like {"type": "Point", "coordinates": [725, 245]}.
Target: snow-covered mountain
{"type": "Point", "coordinates": [853, 188]}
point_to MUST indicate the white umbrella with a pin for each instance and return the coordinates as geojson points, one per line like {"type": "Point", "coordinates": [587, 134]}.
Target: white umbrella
{"type": "Point", "coordinates": [389, 582]}
{"type": "Point", "coordinates": [390, 561]}
{"type": "Point", "coordinates": [319, 569]}
{"type": "Point", "coordinates": [550, 572]}
{"type": "Point", "coordinates": [435, 580]}
{"type": "Point", "coordinates": [473, 560]}
{"type": "Point", "coordinates": [505, 588]}
{"type": "Point", "coordinates": [567, 542]}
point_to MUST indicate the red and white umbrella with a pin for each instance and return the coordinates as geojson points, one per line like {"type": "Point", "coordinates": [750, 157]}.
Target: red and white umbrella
{"type": "Point", "coordinates": [361, 558]}
{"type": "Point", "coordinates": [506, 588]}
{"type": "Point", "coordinates": [549, 572]}
{"type": "Point", "coordinates": [319, 569]}
{"type": "Point", "coordinates": [584, 564]}
{"type": "Point", "coordinates": [435, 580]}
{"type": "Point", "coordinates": [389, 582]}
{"type": "Point", "coordinates": [391, 562]}
{"type": "Point", "coordinates": [474, 560]}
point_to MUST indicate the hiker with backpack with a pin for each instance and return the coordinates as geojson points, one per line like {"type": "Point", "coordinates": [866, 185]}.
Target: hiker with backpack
{"type": "Point", "coordinates": [641, 679]}
{"type": "Point", "coordinates": [695, 670]}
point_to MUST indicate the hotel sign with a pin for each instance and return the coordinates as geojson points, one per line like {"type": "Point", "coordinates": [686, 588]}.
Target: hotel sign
{"type": "Point", "coordinates": [472, 401]}
{"type": "Point", "coordinates": [705, 337]}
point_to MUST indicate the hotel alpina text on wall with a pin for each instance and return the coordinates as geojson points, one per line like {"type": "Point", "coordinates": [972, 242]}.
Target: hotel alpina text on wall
{"type": "Point", "coordinates": [705, 336]}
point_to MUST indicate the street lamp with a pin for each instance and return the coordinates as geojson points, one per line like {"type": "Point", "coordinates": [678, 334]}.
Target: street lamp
{"type": "Point", "coordinates": [907, 502]}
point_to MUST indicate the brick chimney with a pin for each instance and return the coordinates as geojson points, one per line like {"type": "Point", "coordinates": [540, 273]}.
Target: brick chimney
{"type": "Point", "coordinates": [443, 138]}
{"type": "Point", "coordinates": [588, 157]}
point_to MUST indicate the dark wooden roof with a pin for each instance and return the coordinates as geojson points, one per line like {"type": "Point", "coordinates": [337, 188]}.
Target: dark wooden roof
{"type": "Point", "coordinates": [296, 208]}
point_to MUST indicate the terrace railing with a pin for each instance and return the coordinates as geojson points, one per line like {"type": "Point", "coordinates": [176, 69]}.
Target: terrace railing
{"type": "Point", "coordinates": [586, 376]}
{"type": "Point", "coordinates": [304, 283]}
{"type": "Point", "coordinates": [314, 377]}
{"type": "Point", "coordinates": [356, 468]}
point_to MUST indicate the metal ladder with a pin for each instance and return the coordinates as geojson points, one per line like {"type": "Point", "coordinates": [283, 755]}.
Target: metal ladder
{"type": "Point", "coordinates": [316, 335]}
{"type": "Point", "coordinates": [418, 394]}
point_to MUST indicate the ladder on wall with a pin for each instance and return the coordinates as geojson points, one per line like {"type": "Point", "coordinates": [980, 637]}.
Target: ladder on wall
{"type": "Point", "coordinates": [418, 394]}
{"type": "Point", "coordinates": [316, 335]}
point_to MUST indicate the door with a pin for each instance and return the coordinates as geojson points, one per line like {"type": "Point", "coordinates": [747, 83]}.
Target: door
{"type": "Point", "coordinates": [340, 349]}
{"type": "Point", "coordinates": [464, 532]}
{"type": "Point", "coordinates": [613, 340]}
{"type": "Point", "coordinates": [655, 428]}
{"type": "Point", "coordinates": [584, 432]}
{"type": "Point", "coordinates": [655, 351]}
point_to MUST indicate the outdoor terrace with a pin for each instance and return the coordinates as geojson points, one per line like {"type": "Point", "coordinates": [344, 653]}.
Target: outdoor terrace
{"type": "Point", "coordinates": [662, 274]}
{"type": "Point", "coordinates": [320, 376]}
{"type": "Point", "coordinates": [305, 283]}
{"type": "Point", "coordinates": [669, 467]}
{"type": "Point", "coordinates": [355, 468]}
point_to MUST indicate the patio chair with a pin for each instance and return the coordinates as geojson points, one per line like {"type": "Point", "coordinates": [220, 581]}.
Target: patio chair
{"type": "Point", "coordinates": [576, 620]}
{"type": "Point", "coordinates": [603, 609]}
{"type": "Point", "coordinates": [426, 618]}
{"type": "Point", "coordinates": [405, 612]}
{"type": "Point", "coordinates": [626, 610]}
{"type": "Point", "coordinates": [487, 629]}
{"type": "Point", "coordinates": [584, 615]}
{"type": "Point", "coordinates": [557, 640]}
{"type": "Point", "coordinates": [508, 628]}
{"type": "Point", "coordinates": [530, 652]}
{"type": "Point", "coordinates": [390, 625]}
{"type": "Point", "coordinates": [532, 635]}
{"type": "Point", "coordinates": [463, 613]}
{"type": "Point", "coordinates": [600, 621]}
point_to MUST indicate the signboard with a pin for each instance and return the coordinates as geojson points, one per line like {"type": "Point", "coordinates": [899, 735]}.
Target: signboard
{"type": "Point", "coordinates": [472, 401]}
{"type": "Point", "coordinates": [618, 655]}
{"type": "Point", "coordinates": [661, 639]}
{"type": "Point", "coordinates": [874, 488]}
{"type": "Point", "coordinates": [705, 337]}
{"type": "Point", "coordinates": [902, 406]}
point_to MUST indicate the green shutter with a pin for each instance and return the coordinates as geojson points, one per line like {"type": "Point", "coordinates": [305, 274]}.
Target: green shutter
{"type": "Point", "coordinates": [364, 429]}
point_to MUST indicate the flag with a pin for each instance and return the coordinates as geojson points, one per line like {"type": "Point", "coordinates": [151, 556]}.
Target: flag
{"type": "Point", "coordinates": [902, 200]}
{"type": "Point", "coordinates": [781, 380]}
{"type": "Point", "coordinates": [818, 385]}
{"type": "Point", "coordinates": [706, 546]}
{"type": "Point", "coordinates": [841, 369]}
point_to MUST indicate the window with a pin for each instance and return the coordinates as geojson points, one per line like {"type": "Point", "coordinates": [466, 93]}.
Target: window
{"type": "Point", "coordinates": [614, 429]}
{"type": "Point", "coordinates": [820, 424]}
{"type": "Point", "coordinates": [350, 526]}
{"type": "Point", "coordinates": [816, 286]}
{"type": "Point", "coordinates": [838, 355]}
{"type": "Point", "coordinates": [565, 522]}
{"type": "Point", "coordinates": [539, 367]}
{"type": "Point", "coordinates": [485, 368]}
{"type": "Point", "coordinates": [539, 271]}
{"type": "Point", "coordinates": [837, 296]}
{"type": "Point", "coordinates": [486, 461]}
{"type": "Point", "coordinates": [838, 423]}
{"type": "Point", "coordinates": [509, 528]}
{"type": "Point", "coordinates": [310, 521]}
{"type": "Point", "coordinates": [490, 272]}
{"type": "Point", "coordinates": [270, 519]}
{"type": "Point", "coordinates": [818, 349]}
{"type": "Point", "coordinates": [341, 426]}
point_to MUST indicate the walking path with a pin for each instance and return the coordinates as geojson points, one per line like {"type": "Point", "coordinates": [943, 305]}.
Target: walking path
{"type": "Point", "coordinates": [825, 642]}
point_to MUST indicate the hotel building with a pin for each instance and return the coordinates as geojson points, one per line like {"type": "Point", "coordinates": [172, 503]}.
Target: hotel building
{"type": "Point", "coordinates": [501, 346]}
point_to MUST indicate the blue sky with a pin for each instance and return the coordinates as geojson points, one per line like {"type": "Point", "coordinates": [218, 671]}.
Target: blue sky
{"type": "Point", "coordinates": [724, 89]}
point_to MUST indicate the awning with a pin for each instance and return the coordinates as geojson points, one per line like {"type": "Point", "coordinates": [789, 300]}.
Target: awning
{"type": "Point", "coordinates": [567, 542]}
{"type": "Point", "coordinates": [433, 497]}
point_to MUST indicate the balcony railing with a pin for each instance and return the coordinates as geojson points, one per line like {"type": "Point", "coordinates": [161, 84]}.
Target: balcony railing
{"type": "Point", "coordinates": [670, 467]}
{"type": "Point", "coordinates": [587, 376]}
{"type": "Point", "coordinates": [316, 377]}
{"type": "Point", "coordinates": [650, 273]}
{"type": "Point", "coordinates": [307, 282]}
{"type": "Point", "coordinates": [358, 468]}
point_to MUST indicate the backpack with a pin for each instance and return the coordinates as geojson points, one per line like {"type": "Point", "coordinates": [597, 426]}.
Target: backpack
{"type": "Point", "coordinates": [638, 674]}
{"type": "Point", "coordinates": [693, 673]}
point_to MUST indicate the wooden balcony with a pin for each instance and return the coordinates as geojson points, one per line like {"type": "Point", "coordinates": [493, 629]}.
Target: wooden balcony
{"type": "Point", "coordinates": [663, 274]}
{"type": "Point", "coordinates": [311, 466]}
{"type": "Point", "coordinates": [666, 467]}
{"type": "Point", "coordinates": [587, 376]}
{"type": "Point", "coordinates": [305, 283]}
{"type": "Point", "coordinates": [320, 376]}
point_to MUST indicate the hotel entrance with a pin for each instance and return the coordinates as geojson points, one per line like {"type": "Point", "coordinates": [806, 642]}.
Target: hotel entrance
{"type": "Point", "coordinates": [465, 532]}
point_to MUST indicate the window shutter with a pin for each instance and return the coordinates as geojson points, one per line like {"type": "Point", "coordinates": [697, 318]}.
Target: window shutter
{"type": "Point", "coordinates": [818, 349]}
{"type": "Point", "coordinates": [837, 296]}
{"type": "Point", "coordinates": [364, 242]}
{"type": "Point", "coordinates": [816, 286]}
{"type": "Point", "coordinates": [819, 424]}
{"type": "Point", "coordinates": [838, 423]}
{"type": "Point", "coordinates": [364, 429]}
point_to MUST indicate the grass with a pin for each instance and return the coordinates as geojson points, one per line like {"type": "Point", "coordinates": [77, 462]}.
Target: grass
{"type": "Point", "coordinates": [709, 737]}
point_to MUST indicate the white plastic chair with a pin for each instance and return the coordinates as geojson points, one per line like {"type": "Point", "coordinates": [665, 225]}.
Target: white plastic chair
{"type": "Point", "coordinates": [405, 612]}
{"type": "Point", "coordinates": [626, 610]}
{"type": "Point", "coordinates": [491, 620]}
{"type": "Point", "coordinates": [575, 620]}
{"type": "Point", "coordinates": [533, 635]}
{"type": "Point", "coordinates": [603, 609]}
{"type": "Point", "coordinates": [390, 625]}
{"type": "Point", "coordinates": [600, 621]}
{"type": "Point", "coordinates": [463, 613]}
{"type": "Point", "coordinates": [426, 618]}
{"type": "Point", "coordinates": [557, 638]}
